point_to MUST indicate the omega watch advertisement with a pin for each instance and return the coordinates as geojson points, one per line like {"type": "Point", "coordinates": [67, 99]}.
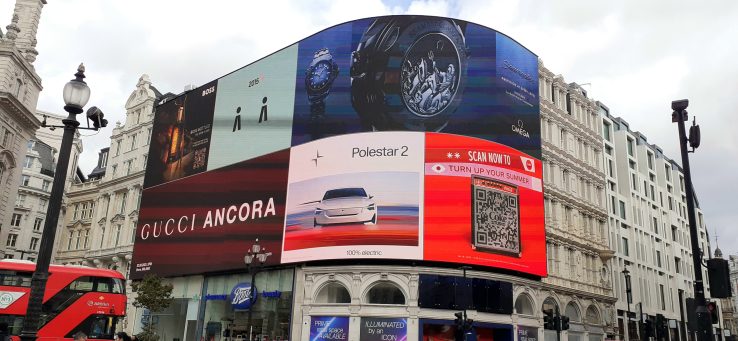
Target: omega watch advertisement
{"type": "Point", "coordinates": [417, 73]}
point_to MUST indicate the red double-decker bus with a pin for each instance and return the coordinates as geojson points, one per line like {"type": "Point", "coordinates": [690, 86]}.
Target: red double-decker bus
{"type": "Point", "coordinates": [77, 299]}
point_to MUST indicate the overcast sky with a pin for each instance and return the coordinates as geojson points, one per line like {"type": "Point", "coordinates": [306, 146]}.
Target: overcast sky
{"type": "Point", "coordinates": [638, 56]}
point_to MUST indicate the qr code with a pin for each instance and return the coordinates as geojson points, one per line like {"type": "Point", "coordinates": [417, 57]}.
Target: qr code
{"type": "Point", "coordinates": [496, 216]}
{"type": "Point", "coordinates": [200, 158]}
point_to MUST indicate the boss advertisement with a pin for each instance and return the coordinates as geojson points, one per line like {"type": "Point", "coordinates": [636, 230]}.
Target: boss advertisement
{"type": "Point", "coordinates": [398, 137]}
{"type": "Point", "coordinates": [180, 137]}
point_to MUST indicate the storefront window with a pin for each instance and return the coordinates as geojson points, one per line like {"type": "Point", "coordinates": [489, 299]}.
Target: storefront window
{"type": "Point", "coordinates": [270, 313]}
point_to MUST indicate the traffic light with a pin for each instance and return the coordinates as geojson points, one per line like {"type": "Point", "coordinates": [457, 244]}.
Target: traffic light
{"type": "Point", "coordinates": [712, 308]}
{"type": "Point", "coordinates": [649, 328]}
{"type": "Point", "coordinates": [548, 320]}
{"type": "Point", "coordinates": [564, 322]}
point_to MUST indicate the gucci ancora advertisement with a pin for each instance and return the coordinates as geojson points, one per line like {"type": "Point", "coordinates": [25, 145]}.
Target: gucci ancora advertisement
{"type": "Point", "coordinates": [397, 137]}
{"type": "Point", "coordinates": [207, 222]}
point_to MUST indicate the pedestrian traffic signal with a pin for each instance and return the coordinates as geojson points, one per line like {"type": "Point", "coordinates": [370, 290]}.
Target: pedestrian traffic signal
{"type": "Point", "coordinates": [712, 308]}
{"type": "Point", "coordinates": [548, 320]}
{"type": "Point", "coordinates": [564, 322]}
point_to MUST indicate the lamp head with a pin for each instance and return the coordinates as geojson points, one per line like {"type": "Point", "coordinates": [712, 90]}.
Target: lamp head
{"type": "Point", "coordinates": [76, 92]}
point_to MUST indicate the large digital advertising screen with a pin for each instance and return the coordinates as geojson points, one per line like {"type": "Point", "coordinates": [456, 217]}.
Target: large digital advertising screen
{"type": "Point", "coordinates": [398, 137]}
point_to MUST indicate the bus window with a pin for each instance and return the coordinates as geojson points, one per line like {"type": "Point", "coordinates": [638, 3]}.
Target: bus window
{"type": "Point", "coordinates": [82, 284]}
{"type": "Point", "coordinates": [13, 323]}
{"type": "Point", "coordinates": [96, 327]}
{"type": "Point", "coordinates": [15, 278]}
{"type": "Point", "coordinates": [104, 284]}
{"type": "Point", "coordinates": [118, 286]}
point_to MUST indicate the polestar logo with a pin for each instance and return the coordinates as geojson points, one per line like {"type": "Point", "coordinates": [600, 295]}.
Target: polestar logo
{"type": "Point", "coordinates": [317, 156]}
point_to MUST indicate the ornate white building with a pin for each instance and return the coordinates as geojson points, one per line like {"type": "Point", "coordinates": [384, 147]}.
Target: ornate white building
{"type": "Point", "coordinates": [19, 89]}
{"type": "Point", "coordinates": [37, 179]}
{"type": "Point", "coordinates": [101, 213]}
{"type": "Point", "coordinates": [649, 229]}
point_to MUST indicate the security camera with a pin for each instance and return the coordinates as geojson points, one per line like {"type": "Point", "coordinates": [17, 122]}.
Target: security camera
{"type": "Point", "coordinates": [679, 105]}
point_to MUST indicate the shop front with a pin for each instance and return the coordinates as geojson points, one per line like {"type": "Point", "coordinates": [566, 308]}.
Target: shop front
{"type": "Point", "coordinates": [229, 314]}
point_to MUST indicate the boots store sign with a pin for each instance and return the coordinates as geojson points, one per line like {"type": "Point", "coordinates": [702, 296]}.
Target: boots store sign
{"type": "Point", "coordinates": [379, 138]}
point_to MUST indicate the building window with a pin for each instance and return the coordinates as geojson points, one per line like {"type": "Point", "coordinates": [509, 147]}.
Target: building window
{"type": "Point", "coordinates": [650, 161]}
{"type": "Point", "coordinates": [34, 243]}
{"type": "Point", "coordinates": [77, 240]}
{"type": "Point", "coordinates": [117, 234]}
{"type": "Point", "coordinates": [663, 302]}
{"type": "Point", "coordinates": [103, 159]}
{"type": "Point", "coordinates": [133, 232]}
{"type": "Point", "coordinates": [12, 239]}
{"type": "Point", "coordinates": [37, 224]}
{"type": "Point", "coordinates": [129, 163]}
{"type": "Point", "coordinates": [385, 293]}
{"type": "Point", "coordinates": [15, 221]}
{"type": "Point", "coordinates": [524, 305]}
{"type": "Point", "coordinates": [102, 237]}
{"type": "Point", "coordinates": [8, 256]}
{"type": "Point", "coordinates": [7, 137]}
{"type": "Point", "coordinates": [69, 240]}
{"type": "Point", "coordinates": [21, 200]}
{"type": "Point", "coordinates": [630, 147]}
{"type": "Point", "coordinates": [29, 162]}
{"type": "Point", "coordinates": [25, 180]}
{"type": "Point", "coordinates": [606, 131]}
{"type": "Point", "coordinates": [622, 210]}
{"type": "Point", "coordinates": [84, 210]}
{"type": "Point", "coordinates": [117, 147]}
{"type": "Point", "coordinates": [626, 251]}
{"type": "Point", "coordinates": [677, 263]}
{"type": "Point", "coordinates": [123, 198]}
{"type": "Point", "coordinates": [333, 292]}
{"type": "Point", "coordinates": [45, 186]}
{"type": "Point", "coordinates": [133, 141]}
{"type": "Point", "coordinates": [658, 258]}
{"type": "Point", "coordinates": [42, 204]}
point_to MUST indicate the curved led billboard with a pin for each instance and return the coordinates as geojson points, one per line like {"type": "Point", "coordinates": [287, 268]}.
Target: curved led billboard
{"type": "Point", "coordinates": [398, 137]}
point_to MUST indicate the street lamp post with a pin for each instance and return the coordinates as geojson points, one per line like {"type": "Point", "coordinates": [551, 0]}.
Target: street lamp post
{"type": "Point", "coordinates": [76, 95]}
{"type": "Point", "coordinates": [628, 298]}
{"type": "Point", "coordinates": [260, 254]}
{"type": "Point", "coordinates": [678, 116]}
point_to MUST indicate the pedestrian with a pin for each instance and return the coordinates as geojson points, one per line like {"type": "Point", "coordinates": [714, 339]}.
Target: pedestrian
{"type": "Point", "coordinates": [80, 336]}
{"type": "Point", "coordinates": [122, 336]}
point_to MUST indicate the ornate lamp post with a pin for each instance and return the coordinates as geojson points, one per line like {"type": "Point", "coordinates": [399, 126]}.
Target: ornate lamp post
{"type": "Point", "coordinates": [76, 95]}
{"type": "Point", "coordinates": [260, 254]}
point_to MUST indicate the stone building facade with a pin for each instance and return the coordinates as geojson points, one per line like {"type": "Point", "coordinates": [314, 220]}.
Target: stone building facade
{"type": "Point", "coordinates": [19, 90]}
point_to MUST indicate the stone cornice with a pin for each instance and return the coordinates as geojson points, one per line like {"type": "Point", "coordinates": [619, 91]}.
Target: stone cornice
{"type": "Point", "coordinates": [13, 106]}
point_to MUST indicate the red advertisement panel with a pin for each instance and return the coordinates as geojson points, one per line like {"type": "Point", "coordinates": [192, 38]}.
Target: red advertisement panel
{"type": "Point", "coordinates": [483, 205]}
{"type": "Point", "coordinates": [207, 222]}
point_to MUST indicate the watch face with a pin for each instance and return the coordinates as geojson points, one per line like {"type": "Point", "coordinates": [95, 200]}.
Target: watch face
{"type": "Point", "coordinates": [430, 74]}
{"type": "Point", "coordinates": [319, 75]}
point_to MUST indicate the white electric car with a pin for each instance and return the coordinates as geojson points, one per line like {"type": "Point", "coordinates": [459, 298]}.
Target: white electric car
{"type": "Point", "coordinates": [344, 206]}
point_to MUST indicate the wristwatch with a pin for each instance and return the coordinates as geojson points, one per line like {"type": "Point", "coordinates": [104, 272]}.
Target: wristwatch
{"type": "Point", "coordinates": [408, 73]}
{"type": "Point", "coordinates": [319, 77]}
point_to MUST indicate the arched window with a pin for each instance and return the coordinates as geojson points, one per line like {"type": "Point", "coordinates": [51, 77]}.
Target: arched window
{"type": "Point", "coordinates": [524, 305]}
{"type": "Point", "coordinates": [573, 312]}
{"type": "Point", "coordinates": [593, 316]}
{"type": "Point", "coordinates": [549, 303]}
{"type": "Point", "coordinates": [333, 292]}
{"type": "Point", "coordinates": [385, 293]}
